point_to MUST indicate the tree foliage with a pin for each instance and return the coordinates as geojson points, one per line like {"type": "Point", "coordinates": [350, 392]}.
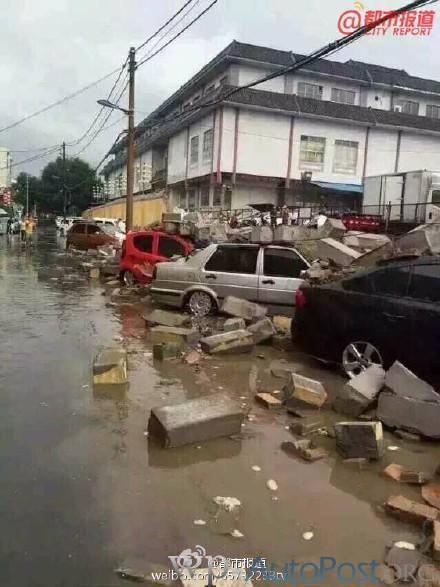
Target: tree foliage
{"type": "Point", "coordinates": [46, 192]}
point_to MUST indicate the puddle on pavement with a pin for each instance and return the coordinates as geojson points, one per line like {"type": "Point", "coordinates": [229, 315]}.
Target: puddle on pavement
{"type": "Point", "coordinates": [83, 487]}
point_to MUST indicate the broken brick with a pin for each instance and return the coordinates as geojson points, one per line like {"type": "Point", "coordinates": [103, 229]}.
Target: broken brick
{"type": "Point", "coordinates": [410, 511]}
{"type": "Point", "coordinates": [268, 400]}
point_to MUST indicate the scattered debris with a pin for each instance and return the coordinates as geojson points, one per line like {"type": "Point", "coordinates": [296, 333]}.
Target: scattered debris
{"type": "Point", "coordinates": [304, 428]}
{"type": "Point", "coordinates": [431, 494]}
{"type": "Point", "coordinates": [410, 511]}
{"type": "Point", "coordinates": [163, 351]}
{"type": "Point", "coordinates": [236, 341]}
{"type": "Point", "coordinates": [226, 515]}
{"type": "Point", "coordinates": [404, 383]}
{"type": "Point", "coordinates": [196, 420]}
{"type": "Point", "coordinates": [268, 400]}
{"type": "Point", "coordinates": [166, 318]}
{"type": "Point", "coordinates": [172, 335]}
{"type": "Point", "coordinates": [199, 523]}
{"type": "Point", "coordinates": [403, 475]}
{"type": "Point", "coordinates": [404, 561]}
{"type": "Point", "coordinates": [306, 390]}
{"type": "Point", "coordinates": [236, 533]}
{"type": "Point", "coordinates": [272, 485]}
{"type": "Point", "coordinates": [282, 323]}
{"type": "Point", "coordinates": [420, 417]}
{"type": "Point", "coordinates": [332, 250]}
{"type": "Point", "coordinates": [234, 324]}
{"type": "Point", "coordinates": [359, 393]}
{"type": "Point", "coordinates": [423, 239]}
{"type": "Point", "coordinates": [192, 358]}
{"type": "Point", "coordinates": [262, 330]}
{"type": "Point", "coordinates": [308, 451]}
{"type": "Point", "coordinates": [110, 367]}
{"type": "Point", "coordinates": [229, 503]}
{"type": "Point", "coordinates": [243, 309]}
{"type": "Point", "coordinates": [359, 439]}
{"type": "Point", "coordinates": [256, 468]}
{"type": "Point", "coordinates": [392, 448]}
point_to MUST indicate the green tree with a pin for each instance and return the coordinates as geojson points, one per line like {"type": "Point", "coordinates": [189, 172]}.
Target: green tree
{"type": "Point", "coordinates": [20, 189]}
{"type": "Point", "coordinates": [75, 176]}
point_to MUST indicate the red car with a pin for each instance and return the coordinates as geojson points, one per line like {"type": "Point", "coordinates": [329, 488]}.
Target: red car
{"type": "Point", "coordinates": [363, 222]}
{"type": "Point", "coordinates": [142, 249]}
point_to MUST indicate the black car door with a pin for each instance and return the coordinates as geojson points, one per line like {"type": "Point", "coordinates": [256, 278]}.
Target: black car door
{"type": "Point", "coordinates": [424, 342]}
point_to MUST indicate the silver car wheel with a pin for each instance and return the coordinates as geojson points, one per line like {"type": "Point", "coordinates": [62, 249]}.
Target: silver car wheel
{"type": "Point", "coordinates": [128, 279]}
{"type": "Point", "coordinates": [200, 303]}
{"type": "Point", "coordinates": [359, 355]}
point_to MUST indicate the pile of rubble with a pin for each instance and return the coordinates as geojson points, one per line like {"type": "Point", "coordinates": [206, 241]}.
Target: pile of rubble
{"type": "Point", "coordinates": [102, 261]}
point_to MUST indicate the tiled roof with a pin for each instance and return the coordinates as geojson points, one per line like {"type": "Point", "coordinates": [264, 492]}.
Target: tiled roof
{"type": "Point", "coordinates": [297, 105]}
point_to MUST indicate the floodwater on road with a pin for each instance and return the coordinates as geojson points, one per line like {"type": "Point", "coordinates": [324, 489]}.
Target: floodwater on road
{"type": "Point", "coordinates": [83, 488]}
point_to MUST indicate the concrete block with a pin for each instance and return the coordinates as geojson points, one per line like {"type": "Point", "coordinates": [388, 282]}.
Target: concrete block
{"type": "Point", "coordinates": [306, 390]}
{"type": "Point", "coordinates": [165, 318]}
{"type": "Point", "coordinates": [313, 453]}
{"type": "Point", "coordinates": [110, 367]}
{"type": "Point", "coordinates": [195, 420]}
{"type": "Point", "coordinates": [243, 309]}
{"type": "Point", "coordinates": [372, 241]}
{"type": "Point", "coordinates": [268, 400]}
{"type": "Point", "coordinates": [333, 227]}
{"type": "Point", "coordinates": [405, 383]}
{"type": "Point", "coordinates": [283, 233]}
{"type": "Point", "coordinates": [359, 439]}
{"type": "Point", "coordinates": [333, 250]}
{"type": "Point", "coordinates": [359, 393]}
{"type": "Point", "coordinates": [178, 336]}
{"type": "Point", "coordinates": [261, 234]}
{"type": "Point", "coordinates": [282, 323]}
{"type": "Point", "coordinates": [171, 216]}
{"type": "Point", "coordinates": [262, 330]}
{"type": "Point", "coordinates": [351, 241]}
{"type": "Point", "coordinates": [410, 511]}
{"type": "Point", "coordinates": [423, 239]}
{"type": "Point", "coordinates": [234, 324]}
{"type": "Point", "coordinates": [235, 341]}
{"type": "Point", "coordinates": [409, 414]}
{"type": "Point", "coordinates": [162, 351]}
{"type": "Point", "coordinates": [371, 258]}
{"type": "Point", "coordinates": [431, 494]}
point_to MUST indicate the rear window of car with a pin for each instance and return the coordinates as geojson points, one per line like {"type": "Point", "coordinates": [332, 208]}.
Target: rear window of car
{"type": "Point", "coordinates": [425, 283]}
{"type": "Point", "coordinates": [143, 242]}
{"type": "Point", "coordinates": [233, 260]}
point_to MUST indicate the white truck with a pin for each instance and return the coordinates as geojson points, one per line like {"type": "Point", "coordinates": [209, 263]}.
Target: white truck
{"type": "Point", "coordinates": [411, 196]}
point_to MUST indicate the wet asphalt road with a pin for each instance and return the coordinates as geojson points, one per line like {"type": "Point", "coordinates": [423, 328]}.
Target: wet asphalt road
{"type": "Point", "coordinates": [82, 488]}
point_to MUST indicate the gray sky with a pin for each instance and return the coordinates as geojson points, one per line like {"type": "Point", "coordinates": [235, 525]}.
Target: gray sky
{"type": "Point", "coordinates": [51, 48]}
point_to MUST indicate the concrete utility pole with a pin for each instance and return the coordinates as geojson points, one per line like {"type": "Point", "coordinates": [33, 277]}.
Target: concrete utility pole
{"type": "Point", "coordinates": [27, 194]}
{"type": "Point", "coordinates": [63, 178]}
{"type": "Point", "coordinates": [130, 140]}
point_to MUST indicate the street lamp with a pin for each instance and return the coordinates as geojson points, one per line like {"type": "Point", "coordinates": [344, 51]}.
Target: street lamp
{"type": "Point", "coordinates": [130, 137]}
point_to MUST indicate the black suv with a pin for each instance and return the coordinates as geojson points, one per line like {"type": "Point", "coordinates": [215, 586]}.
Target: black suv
{"type": "Point", "coordinates": [388, 312]}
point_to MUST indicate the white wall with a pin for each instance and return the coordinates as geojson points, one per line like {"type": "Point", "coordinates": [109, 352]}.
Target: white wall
{"type": "Point", "coordinates": [419, 152]}
{"type": "Point", "coordinates": [262, 143]}
{"type": "Point", "coordinates": [382, 145]}
{"type": "Point", "coordinates": [243, 195]}
{"type": "Point", "coordinates": [369, 95]}
{"type": "Point", "coordinates": [227, 156]}
{"type": "Point", "coordinates": [177, 157]}
{"type": "Point", "coordinates": [250, 73]}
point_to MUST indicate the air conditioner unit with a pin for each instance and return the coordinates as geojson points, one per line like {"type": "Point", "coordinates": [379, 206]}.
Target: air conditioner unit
{"type": "Point", "coordinates": [398, 108]}
{"type": "Point", "coordinates": [306, 176]}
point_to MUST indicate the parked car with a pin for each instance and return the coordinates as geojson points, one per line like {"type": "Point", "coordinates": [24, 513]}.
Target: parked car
{"type": "Point", "coordinates": [142, 249]}
{"type": "Point", "coordinates": [388, 312]}
{"type": "Point", "coordinates": [88, 235]}
{"type": "Point", "coordinates": [268, 275]}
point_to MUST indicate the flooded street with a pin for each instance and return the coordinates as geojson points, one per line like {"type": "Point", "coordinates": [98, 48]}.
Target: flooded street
{"type": "Point", "coordinates": [83, 488]}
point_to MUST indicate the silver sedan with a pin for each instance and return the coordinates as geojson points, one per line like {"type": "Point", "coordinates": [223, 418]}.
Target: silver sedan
{"type": "Point", "coordinates": [266, 274]}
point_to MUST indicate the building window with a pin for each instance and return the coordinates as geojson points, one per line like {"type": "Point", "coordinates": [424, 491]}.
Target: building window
{"type": "Point", "coordinates": [194, 150]}
{"type": "Point", "coordinates": [345, 158]}
{"type": "Point", "coordinates": [204, 196]}
{"type": "Point", "coordinates": [208, 136]}
{"type": "Point", "coordinates": [343, 96]}
{"type": "Point", "coordinates": [407, 106]}
{"type": "Point", "coordinates": [306, 90]}
{"type": "Point", "coordinates": [432, 111]}
{"type": "Point", "coordinates": [312, 152]}
{"type": "Point", "coordinates": [217, 199]}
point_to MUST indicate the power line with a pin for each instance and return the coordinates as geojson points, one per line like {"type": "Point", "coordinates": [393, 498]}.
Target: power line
{"type": "Point", "coordinates": [164, 25]}
{"type": "Point", "coordinates": [177, 35]}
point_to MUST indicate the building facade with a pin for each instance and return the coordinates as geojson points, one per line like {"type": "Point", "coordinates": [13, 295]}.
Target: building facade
{"type": "Point", "coordinates": [294, 139]}
{"type": "Point", "coordinates": [5, 169]}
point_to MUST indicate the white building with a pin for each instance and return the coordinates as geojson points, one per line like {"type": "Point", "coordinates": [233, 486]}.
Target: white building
{"type": "Point", "coordinates": [292, 139]}
{"type": "Point", "coordinates": [5, 168]}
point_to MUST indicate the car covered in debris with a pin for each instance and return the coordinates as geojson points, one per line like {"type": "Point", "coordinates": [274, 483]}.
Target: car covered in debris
{"type": "Point", "coordinates": [390, 311]}
{"type": "Point", "coordinates": [142, 249]}
{"type": "Point", "coordinates": [84, 235]}
{"type": "Point", "coordinates": [266, 274]}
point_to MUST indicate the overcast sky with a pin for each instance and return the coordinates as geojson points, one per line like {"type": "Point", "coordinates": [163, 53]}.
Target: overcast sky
{"type": "Point", "coordinates": [50, 48]}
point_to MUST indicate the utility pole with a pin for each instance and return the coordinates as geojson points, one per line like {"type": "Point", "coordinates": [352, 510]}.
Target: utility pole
{"type": "Point", "coordinates": [63, 178]}
{"type": "Point", "coordinates": [130, 140]}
